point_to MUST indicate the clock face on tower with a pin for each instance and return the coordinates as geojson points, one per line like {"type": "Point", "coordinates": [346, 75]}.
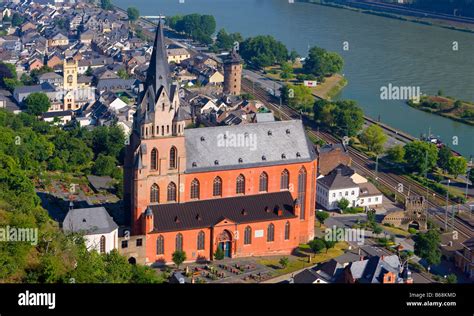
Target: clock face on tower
{"type": "Point", "coordinates": [69, 79]}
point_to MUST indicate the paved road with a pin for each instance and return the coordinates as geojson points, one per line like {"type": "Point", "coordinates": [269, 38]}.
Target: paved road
{"type": "Point", "coordinates": [271, 86]}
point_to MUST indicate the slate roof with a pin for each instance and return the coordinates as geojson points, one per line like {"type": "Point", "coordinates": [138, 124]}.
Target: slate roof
{"type": "Point", "coordinates": [94, 220]}
{"type": "Point", "coordinates": [337, 180]}
{"type": "Point", "coordinates": [207, 213]}
{"type": "Point", "coordinates": [57, 114]}
{"type": "Point", "coordinates": [44, 87]}
{"type": "Point", "coordinates": [373, 269]}
{"type": "Point", "coordinates": [274, 143]}
{"type": "Point", "coordinates": [469, 243]}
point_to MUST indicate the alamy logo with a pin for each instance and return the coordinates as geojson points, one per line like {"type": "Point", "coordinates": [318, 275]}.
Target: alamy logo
{"type": "Point", "coordinates": [345, 234]}
{"type": "Point", "coordinates": [237, 140]}
{"type": "Point", "coordinates": [392, 92]}
{"type": "Point", "coordinates": [37, 299]}
{"type": "Point", "coordinates": [17, 234]}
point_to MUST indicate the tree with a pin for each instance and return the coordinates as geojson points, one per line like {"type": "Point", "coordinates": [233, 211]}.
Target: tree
{"type": "Point", "coordinates": [198, 27]}
{"type": "Point", "coordinates": [377, 229]}
{"type": "Point", "coordinates": [345, 117]}
{"type": "Point", "coordinates": [178, 257]}
{"type": "Point", "coordinates": [287, 73]}
{"type": "Point", "coordinates": [343, 204]}
{"type": "Point", "coordinates": [298, 97]}
{"type": "Point", "coordinates": [396, 153]}
{"type": "Point", "coordinates": [284, 261]}
{"type": "Point", "coordinates": [263, 51]}
{"type": "Point", "coordinates": [320, 62]}
{"type": "Point", "coordinates": [133, 14]}
{"type": "Point", "coordinates": [104, 165]}
{"type": "Point", "coordinates": [123, 74]}
{"type": "Point", "coordinates": [225, 41]}
{"type": "Point", "coordinates": [427, 246]}
{"type": "Point", "coordinates": [421, 156]}
{"type": "Point", "coordinates": [444, 154]}
{"type": "Point", "coordinates": [452, 278]}
{"type": "Point", "coordinates": [374, 138]}
{"type": "Point", "coordinates": [457, 166]}
{"type": "Point", "coordinates": [37, 103]}
{"type": "Point", "coordinates": [219, 254]}
{"type": "Point", "coordinates": [17, 19]}
{"type": "Point", "coordinates": [293, 55]}
{"type": "Point", "coordinates": [322, 216]}
{"type": "Point", "coordinates": [329, 244]}
{"type": "Point", "coordinates": [106, 4]}
{"type": "Point", "coordinates": [317, 245]}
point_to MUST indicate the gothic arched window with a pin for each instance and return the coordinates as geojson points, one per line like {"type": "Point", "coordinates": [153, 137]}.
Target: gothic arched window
{"type": "Point", "coordinates": [201, 240]}
{"type": "Point", "coordinates": [154, 159]}
{"type": "Point", "coordinates": [217, 187]}
{"type": "Point", "coordinates": [285, 180]}
{"type": "Point", "coordinates": [155, 193]}
{"type": "Point", "coordinates": [173, 157]}
{"type": "Point", "coordinates": [271, 232]}
{"type": "Point", "coordinates": [195, 189]}
{"type": "Point", "coordinates": [302, 191]}
{"type": "Point", "coordinates": [160, 245]}
{"type": "Point", "coordinates": [171, 192]}
{"type": "Point", "coordinates": [263, 184]}
{"type": "Point", "coordinates": [248, 235]}
{"type": "Point", "coordinates": [179, 242]}
{"type": "Point", "coordinates": [287, 231]}
{"type": "Point", "coordinates": [240, 184]}
{"type": "Point", "coordinates": [102, 244]}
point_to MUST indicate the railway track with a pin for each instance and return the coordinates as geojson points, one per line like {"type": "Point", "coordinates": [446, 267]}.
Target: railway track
{"type": "Point", "coordinates": [400, 185]}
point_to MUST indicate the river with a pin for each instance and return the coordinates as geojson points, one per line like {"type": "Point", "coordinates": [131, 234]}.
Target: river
{"type": "Point", "coordinates": [381, 51]}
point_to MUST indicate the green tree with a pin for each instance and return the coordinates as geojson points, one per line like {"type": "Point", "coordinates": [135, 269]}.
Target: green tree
{"type": "Point", "coordinates": [444, 154]}
{"type": "Point", "coordinates": [457, 166]}
{"type": "Point", "coordinates": [263, 51]}
{"type": "Point", "coordinates": [427, 246]}
{"type": "Point", "coordinates": [104, 165]}
{"type": "Point", "coordinates": [178, 257]}
{"type": "Point", "coordinates": [345, 117]}
{"type": "Point", "coordinates": [284, 261]}
{"type": "Point", "coordinates": [377, 229]}
{"type": "Point", "coordinates": [37, 103]}
{"type": "Point", "coordinates": [225, 41]}
{"type": "Point", "coordinates": [421, 156]}
{"type": "Point", "coordinates": [322, 216]}
{"type": "Point", "coordinates": [123, 74]}
{"type": "Point", "coordinates": [293, 56]}
{"type": "Point", "coordinates": [320, 62]}
{"type": "Point", "coordinates": [17, 19]}
{"type": "Point", "coordinates": [396, 153]}
{"type": "Point", "coordinates": [374, 138]}
{"type": "Point", "coordinates": [343, 204]}
{"type": "Point", "coordinates": [452, 278]}
{"type": "Point", "coordinates": [317, 245]}
{"type": "Point", "coordinates": [298, 97]}
{"type": "Point", "coordinates": [133, 14]}
{"type": "Point", "coordinates": [329, 244]}
{"type": "Point", "coordinates": [219, 254]}
{"type": "Point", "coordinates": [287, 72]}
{"type": "Point", "coordinates": [106, 4]}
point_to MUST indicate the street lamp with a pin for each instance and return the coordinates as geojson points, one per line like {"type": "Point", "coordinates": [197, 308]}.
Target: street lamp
{"type": "Point", "coordinates": [447, 205]}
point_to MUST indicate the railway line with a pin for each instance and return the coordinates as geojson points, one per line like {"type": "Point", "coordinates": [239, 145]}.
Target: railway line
{"type": "Point", "coordinates": [399, 185]}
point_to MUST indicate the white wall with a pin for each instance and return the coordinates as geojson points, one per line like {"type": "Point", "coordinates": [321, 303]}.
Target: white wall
{"type": "Point", "coordinates": [111, 241]}
{"type": "Point", "coordinates": [370, 200]}
{"type": "Point", "coordinates": [330, 198]}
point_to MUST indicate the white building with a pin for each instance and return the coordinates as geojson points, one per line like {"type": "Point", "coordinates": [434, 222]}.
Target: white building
{"type": "Point", "coordinates": [98, 227]}
{"type": "Point", "coordinates": [344, 182]}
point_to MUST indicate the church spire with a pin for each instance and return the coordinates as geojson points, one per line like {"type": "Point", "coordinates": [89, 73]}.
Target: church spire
{"type": "Point", "coordinates": [159, 71]}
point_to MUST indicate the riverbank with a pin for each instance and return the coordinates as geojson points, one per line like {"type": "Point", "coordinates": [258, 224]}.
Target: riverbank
{"type": "Point", "coordinates": [456, 110]}
{"type": "Point", "coordinates": [451, 25]}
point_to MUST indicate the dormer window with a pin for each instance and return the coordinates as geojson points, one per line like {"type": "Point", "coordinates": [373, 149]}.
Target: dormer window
{"type": "Point", "coordinates": [241, 160]}
{"type": "Point", "coordinates": [194, 164]}
{"type": "Point", "coordinates": [298, 154]}
{"type": "Point", "coordinates": [269, 133]}
{"type": "Point", "coordinates": [216, 162]}
{"type": "Point", "coordinates": [288, 131]}
{"type": "Point", "coordinates": [203, 138]}
{"type": "Point", "coordinates": [264, 158]}
{"type": "Point", "coordinates": [283, 156]}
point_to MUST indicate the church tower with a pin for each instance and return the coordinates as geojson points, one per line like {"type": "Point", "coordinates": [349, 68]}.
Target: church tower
{"type": "Point", "coordinates": [232, 73]}
{"type": "Point", "coordinates": [70, 70]}
{"type": "Point", "coordinates": [155, 155]}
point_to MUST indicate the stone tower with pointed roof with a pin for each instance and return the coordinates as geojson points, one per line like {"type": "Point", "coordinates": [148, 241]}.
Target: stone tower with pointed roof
{"type": "Point", "coordinates": [156, 148]}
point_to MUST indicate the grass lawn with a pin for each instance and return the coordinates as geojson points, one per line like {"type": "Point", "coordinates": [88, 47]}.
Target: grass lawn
{"type": "Point", "coordinates": [396, 231]}
{"type": "Point", "coordinates": [298, 263]}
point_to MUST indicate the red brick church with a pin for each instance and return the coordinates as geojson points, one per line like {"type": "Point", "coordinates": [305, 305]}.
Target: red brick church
{"type": "Point", "coordinates": [248, 189]}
